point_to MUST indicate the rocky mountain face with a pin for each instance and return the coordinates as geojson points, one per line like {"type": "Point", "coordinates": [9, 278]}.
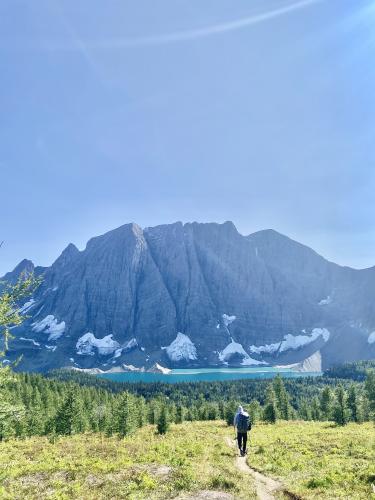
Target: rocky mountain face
{"type": "Point", "coordinates": [194, 295]}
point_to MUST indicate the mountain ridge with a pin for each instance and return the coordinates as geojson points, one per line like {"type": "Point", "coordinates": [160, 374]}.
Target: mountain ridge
{"type": "Point", "coordinates": [143, 294]}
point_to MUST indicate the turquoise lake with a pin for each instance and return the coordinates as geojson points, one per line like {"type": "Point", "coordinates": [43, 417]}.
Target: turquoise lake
{"type": "Point", "coordinates": [206, 375]}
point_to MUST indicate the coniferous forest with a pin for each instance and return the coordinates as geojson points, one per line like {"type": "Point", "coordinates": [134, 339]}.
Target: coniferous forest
{"type": "Point", "coordinates": [65, 403]}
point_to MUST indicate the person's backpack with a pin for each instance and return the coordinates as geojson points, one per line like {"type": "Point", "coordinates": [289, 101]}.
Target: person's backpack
{"type": "Point", "coordinates": [243, 423]}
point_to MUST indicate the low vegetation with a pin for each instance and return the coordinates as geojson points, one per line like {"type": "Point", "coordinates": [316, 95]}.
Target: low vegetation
{"type": "Point", "coordinates": [191, 457]}
{"type": "Point", "coordinates": [317, 460]}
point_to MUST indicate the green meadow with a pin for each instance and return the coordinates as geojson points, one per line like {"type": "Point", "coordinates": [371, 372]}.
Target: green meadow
{"type": "Point", "coordinates": [313, 460]}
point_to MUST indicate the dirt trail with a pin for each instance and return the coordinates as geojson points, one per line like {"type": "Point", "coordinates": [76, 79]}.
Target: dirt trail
{"type": "Point", "coordinates": [265, 486]}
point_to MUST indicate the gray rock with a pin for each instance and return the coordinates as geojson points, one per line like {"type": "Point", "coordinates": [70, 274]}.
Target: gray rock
{"type": "Point", "coordinates": [151, 284]}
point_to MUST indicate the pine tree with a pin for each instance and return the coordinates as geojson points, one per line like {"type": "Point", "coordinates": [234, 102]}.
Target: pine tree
{"type": "Point", "coordinates": [163, 421]}
{"type": "Point", "coordinates": [304, 411]}
{"type": "Point", "coordinates": [125, 415]}
{"type": "Point", "coordinates": [270, 407]}
{"type": "Point", "coordinates": [255, 411]}
{"type": "Point", "coordinates": [326, 403]}
{"type": "Point", "coordinates": [353, 405]}
{"type": "Point", "coordinates": [69, 418]}
{"type": "Point", "coordinates": [340, 410]}
{"type": "Point", "coordinates": [282, 397]}
{"type": "Point", "coordinates": [315, 409]}
{"type": "Point", "coordinates": [179, 414]}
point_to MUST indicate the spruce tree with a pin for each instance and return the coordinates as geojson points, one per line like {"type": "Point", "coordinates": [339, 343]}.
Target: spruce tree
{"type": "Point", "coordinates": [255, 411]}
{"type": "Point", "coordinates": [270, 407]}
{"type": "Point", "coordinates": [281, 397]}
{"type": "Point", "coordinates": [163, 421]}
{"type": "Point", "coordinates": [179, 414]}
{"type": "Point", "coordinates": [326, 403]}
{"type": "Point", "coordinates": [125, 415]}
{"type": "Point", "coordinates": [66, 415]}
{"type": "Point", "coordinates": [340, 410]}
{"type": "Point", "coordinates": [315, 409]}
{"type": "Point", "coordinates": [353, 404]}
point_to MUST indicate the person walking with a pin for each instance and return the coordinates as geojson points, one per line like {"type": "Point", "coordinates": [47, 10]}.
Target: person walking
{"type": "Point", "coordinates": [242, 424]}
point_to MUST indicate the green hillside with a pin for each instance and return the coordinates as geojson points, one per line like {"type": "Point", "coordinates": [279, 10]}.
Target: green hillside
{"type": "Point", "coordinates": [314, 460]}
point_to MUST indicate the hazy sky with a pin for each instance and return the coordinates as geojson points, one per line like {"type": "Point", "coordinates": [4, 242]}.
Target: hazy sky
{"type": "Point", "coordinates": [256, 111]}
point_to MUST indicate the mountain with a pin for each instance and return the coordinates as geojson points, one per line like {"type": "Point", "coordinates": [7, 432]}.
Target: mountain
{"type": "Point", "coordinates": [194, 295]}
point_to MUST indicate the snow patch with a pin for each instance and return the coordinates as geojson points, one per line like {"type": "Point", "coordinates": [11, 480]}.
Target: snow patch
{"type": "Point", "coordinates": [27, 306]}
{"type": "Point", "coordinates": [236, 348]}
{"type": "Point", "coordinates": [227, 320]}
{"type": "Point", "coordinates": [51, 326]}
{"type": "Point", "coordinates": [87, 344]}
{"type": "Point", "coordinates": [371, 338]}
{"type": "Point", "coordinates": [30, 340]}
{"type": "Point", "coordinates": [182, 348]}
{"type": "Point", "coordinates": [55, 288]}
{"type": "Point", "coordinates": [291, 342]}
{"type": "Point", "coordinates": [268, 348]}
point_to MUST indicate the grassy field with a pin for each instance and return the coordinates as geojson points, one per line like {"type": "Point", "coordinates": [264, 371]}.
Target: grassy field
{"type": "Point", "coordinates": [317, 460]}
{"type": "Point", "coordinates": [313, 460]}
{"type": "Point", "coordinates": [190, 458]}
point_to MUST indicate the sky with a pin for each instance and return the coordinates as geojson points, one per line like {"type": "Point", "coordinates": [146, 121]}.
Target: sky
{"type": "Point", "coordinates": [257, 111]}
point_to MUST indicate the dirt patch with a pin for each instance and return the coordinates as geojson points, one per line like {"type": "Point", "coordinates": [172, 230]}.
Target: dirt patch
{"type": "Point", "coordinates": [266, 487]}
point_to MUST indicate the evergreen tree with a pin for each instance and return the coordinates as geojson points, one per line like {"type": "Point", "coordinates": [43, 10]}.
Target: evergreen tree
{"type": "Point", "coordinates": [281, 398]}
{"type": "Point", "coordinates": [179, 414]}
{"type": "Point", "coordinates": [340, 410]}
{"type": "Point", "coordinates": [326, 403]}
{"type": "Point", "coordinates": [125, 416]}
{"type": "Point", "coordinates": [315, 409]}
{"type": "Point", "coordinates": [163, 421]}
{"type": "Point", "coordinates": [68, 417]}
{"type": "Point", "coordinates": [255, 411]}
{"type": "Point", "coordinates": [270, 407]}
{"type": "Point", "coordinates": [353, 404]}
{"type": "Point", "coordinates": [304, 410]}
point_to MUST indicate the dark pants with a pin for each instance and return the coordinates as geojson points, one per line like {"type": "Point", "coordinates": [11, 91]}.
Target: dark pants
{"type": "Point", "coordinates": [242, 440]}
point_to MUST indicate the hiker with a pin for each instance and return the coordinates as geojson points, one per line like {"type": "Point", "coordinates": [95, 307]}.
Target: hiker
{"type": "Point", "coordinates": [243, 425]}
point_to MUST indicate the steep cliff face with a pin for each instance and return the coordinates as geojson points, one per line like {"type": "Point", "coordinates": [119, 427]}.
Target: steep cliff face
{"type": "Point", "coordinates": [194, 295]}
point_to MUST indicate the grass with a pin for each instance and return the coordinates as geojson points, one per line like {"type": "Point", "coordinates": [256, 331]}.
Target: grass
{"type": "Point", "coordinates": [314, 460]}
{"type": "Point", "coordinates": [317, 460]}
{"type": "Point", "coordinates": [189, 458]}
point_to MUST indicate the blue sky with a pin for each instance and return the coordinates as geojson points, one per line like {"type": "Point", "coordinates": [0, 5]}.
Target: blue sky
{"type": "Point", "coordinates": [256, 111]}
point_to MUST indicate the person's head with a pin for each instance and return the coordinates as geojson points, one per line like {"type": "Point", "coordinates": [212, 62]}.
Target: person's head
{"type": "Point", "coordinates": [240, 409]}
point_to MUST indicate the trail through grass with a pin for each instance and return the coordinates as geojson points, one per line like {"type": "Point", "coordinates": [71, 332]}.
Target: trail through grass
{"type": "Point", "coordinates": [317, 460]}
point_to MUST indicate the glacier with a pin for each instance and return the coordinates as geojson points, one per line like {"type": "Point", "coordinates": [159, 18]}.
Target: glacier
{"type": "Point", "coordinates": [290, 342]}
{"type": "Point", "coordinates": [236, 348]}
{"type": "Point", "coordinates": [88, 342]}
{"type": "Point", "coordinates": [51, 326]}
{"type": "Point", "coordinates": [182, 348]}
